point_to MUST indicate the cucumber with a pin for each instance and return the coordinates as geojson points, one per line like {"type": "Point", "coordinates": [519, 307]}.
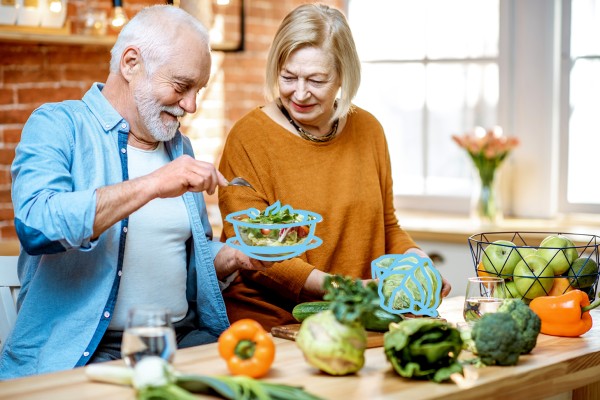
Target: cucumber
{"type": "Point", "coordinates": [378, 321]}
{"type": "Point", "coordinates": [305, 310]}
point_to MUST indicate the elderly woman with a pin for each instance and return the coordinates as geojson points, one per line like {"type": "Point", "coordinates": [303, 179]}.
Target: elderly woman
{"type": "Point", "coordinates": [314, 151]}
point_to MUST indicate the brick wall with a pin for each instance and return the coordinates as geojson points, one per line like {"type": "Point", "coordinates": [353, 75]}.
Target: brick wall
{"type": "Point", "coordinates": [33, 74]}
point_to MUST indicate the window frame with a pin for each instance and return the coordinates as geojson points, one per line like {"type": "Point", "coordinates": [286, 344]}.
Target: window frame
{"type": "Point", "coordinates": [566, 65]}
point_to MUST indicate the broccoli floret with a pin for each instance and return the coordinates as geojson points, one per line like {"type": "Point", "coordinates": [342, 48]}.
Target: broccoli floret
{"type": "Point", "coordinates": [497, 339]}
{"type": "Point", "coordinates": [528, 322]}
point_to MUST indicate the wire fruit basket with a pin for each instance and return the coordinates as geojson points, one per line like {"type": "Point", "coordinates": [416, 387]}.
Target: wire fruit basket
{"type": "Point", "coordinates": [535, 264]}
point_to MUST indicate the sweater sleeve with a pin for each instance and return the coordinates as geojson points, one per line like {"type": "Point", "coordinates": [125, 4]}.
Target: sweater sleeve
{"type": "Point", "coordinates": [397, 240]}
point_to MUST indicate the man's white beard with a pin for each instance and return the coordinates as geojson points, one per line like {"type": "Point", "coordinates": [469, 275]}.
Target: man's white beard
{"type": "Point", "coordinates": [150, 110]}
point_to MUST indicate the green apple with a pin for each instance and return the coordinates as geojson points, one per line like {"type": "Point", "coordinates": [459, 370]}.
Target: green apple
{"type": "Point", "coordinates": [559, 251]}
{"type": "Point", "coordinates": [583, 273]}
{"type": "Point", "coordinates": [533, 277]}
{"type": "Point", "coordinates": [509, 291]}
{"type": "Point", "coordinates": [525, 251]}
{"type": "Point", "coordinates": [500, 257]}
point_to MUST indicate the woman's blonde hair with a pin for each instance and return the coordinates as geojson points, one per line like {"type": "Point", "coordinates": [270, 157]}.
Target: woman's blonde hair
{"type": "Point", "coordinates": [316, 25]}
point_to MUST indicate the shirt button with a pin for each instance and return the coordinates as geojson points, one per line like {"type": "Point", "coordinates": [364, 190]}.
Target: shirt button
{"type": "Point", "coordinates": [86, 353]}
{"type": "Point", "coordinates": [107, 126]}
{"type": "Point", "coordinates": [120, 273]}
{"type": "Point", "coordinates": [123, 151]}
{"type": "Point", "coordinates": [106, 314]}
{"type": "Point", "coordinates": [123, 126]}
{"type": "Point", "coordinates": [125, 229]}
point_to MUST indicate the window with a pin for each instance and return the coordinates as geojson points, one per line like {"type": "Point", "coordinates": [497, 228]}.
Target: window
{"type": "Point", "coordinates": [433, 68]}
{"type": "Point", "coordinates": [430, 70]}
{"type": "Point", "coordinates": [581, 119]}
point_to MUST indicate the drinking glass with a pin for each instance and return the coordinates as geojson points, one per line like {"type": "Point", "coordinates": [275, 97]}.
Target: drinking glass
{"type": "Point", "coordinates": [148, 332]}
{"type": "Point", "coordinates": [484, 295]}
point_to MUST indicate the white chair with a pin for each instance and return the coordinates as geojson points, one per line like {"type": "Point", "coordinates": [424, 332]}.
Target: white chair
{"type": "Point", "coordinates": [9, 289]}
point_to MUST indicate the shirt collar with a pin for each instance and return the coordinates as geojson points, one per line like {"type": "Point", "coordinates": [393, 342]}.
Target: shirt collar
{"type": "Point", "coordinates": [104, 112]}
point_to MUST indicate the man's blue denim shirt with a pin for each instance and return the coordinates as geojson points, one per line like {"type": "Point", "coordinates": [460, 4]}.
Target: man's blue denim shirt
{"type": "Point", "coordinates": [69, 282]}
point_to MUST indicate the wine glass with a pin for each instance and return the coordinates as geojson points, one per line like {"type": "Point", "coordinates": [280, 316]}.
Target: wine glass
{"type": "Point", "coordinates": [484, 295]}
{"type": "Point", "coordinates": [148, 332]}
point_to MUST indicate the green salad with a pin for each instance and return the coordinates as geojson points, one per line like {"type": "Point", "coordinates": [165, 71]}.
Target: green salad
{"type": "Point", "coordinates": [264, 236]}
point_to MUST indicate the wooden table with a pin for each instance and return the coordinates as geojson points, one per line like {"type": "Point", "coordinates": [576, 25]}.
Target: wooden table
{"type": "Point", "coordinates": [557, 365]}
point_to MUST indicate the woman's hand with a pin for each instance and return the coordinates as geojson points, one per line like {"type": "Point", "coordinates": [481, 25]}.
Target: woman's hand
{"type": "Point", "coordinates": [313, 287]}
{"type": "Point", "coordinates": [229, 260]}
{"type": "Point", "coordinates": [446, 287]}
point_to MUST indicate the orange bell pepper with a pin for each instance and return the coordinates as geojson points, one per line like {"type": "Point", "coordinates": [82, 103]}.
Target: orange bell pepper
{"type": "Point", "coordinates": [247, 348]}
{"type": "Point", "coordinates": [565, 315]}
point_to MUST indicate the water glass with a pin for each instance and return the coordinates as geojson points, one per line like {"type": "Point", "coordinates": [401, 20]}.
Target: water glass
{"type": "Point", "coordinates": [484, 295]}
{"type": "Point", "coordinates": [148, 332]}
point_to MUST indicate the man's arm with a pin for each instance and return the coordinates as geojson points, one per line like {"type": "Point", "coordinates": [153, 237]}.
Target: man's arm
{"type": "Point", "coordinates": [115, 202]}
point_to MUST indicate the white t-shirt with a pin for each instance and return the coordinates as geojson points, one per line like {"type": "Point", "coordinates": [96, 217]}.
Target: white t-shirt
{"type": "Point", "coordinates": [154, 265]}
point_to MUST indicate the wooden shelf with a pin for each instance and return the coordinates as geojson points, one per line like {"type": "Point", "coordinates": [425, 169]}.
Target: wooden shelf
{"type": "Point", "coordinates": [30, 34]}
{"type": "Point", "coordinates": [64, 36]}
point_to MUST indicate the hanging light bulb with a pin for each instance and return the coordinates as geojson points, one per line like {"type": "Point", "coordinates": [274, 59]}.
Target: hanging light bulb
{"type": "Point", "coordinates": [55, 6]}
{"type": "Point", "coordinates": [118, 17]}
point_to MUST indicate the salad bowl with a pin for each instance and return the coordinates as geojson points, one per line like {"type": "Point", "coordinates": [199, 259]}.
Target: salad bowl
{"type": "Point", "coordinates": [277, 233]}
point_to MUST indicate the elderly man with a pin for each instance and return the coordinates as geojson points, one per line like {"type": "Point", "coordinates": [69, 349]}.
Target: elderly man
{"type": "Point", "coordinates": [109, 207]}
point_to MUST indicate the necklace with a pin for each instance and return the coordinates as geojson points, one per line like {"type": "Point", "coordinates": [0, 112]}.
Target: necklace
{"type": "Point", "coordinates": [305, 135]}
{"type": "Point", "coordinates": [150, 145]}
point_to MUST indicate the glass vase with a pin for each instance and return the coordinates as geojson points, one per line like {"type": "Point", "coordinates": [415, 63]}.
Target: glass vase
{"type": "Point", "coordinates": [486, 207]}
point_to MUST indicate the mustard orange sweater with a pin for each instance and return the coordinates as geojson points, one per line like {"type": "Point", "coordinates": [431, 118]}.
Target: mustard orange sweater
{"type": "Point", "coordinates": [347, 180]}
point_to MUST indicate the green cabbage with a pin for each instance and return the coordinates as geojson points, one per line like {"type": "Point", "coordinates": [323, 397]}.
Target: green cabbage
{"type": "Point", "coordinates": [410, 286]}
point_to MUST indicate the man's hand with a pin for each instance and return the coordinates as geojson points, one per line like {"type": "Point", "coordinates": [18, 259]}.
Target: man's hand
{"type": "Point", "coordinates": [185, 174]}
{"type": "Point", "coordinates": [229, 260]}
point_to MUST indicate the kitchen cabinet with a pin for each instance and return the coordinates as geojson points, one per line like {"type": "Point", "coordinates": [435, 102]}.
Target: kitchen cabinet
{"type": "Point", "coordinates": [454, 262]}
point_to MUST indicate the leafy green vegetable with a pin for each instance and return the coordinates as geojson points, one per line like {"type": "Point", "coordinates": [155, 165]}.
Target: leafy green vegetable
{"type": "Point", "coordinates": [242, 388]}
{"type": "Point", "coordinates": [282, 215]}
{"type": "Point", "coordinates": [351, 300]}
{"type": "Point", "coordinates": [263, 234]}
{"type": "Point", "coordinates": [154, 379]}
{"type": "Point", "coordinates": [497, 339]}
{"type": "Point", "coordinates": [423, 348]}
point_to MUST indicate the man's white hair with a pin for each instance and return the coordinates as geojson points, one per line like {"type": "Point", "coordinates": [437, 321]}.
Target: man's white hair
{"type": "Point", "coordinates": [154, 30]}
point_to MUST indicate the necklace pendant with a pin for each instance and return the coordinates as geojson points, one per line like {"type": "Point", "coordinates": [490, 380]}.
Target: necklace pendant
{"type": "Point", "coordinates": [306, 135]}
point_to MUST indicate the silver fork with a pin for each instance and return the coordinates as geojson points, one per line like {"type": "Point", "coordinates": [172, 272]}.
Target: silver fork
{"type": "Point", "coordinates": [239, 181]}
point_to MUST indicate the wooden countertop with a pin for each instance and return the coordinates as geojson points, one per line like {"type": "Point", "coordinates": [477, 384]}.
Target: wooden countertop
{"type": "Point", "coordinates": [557, 365]}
